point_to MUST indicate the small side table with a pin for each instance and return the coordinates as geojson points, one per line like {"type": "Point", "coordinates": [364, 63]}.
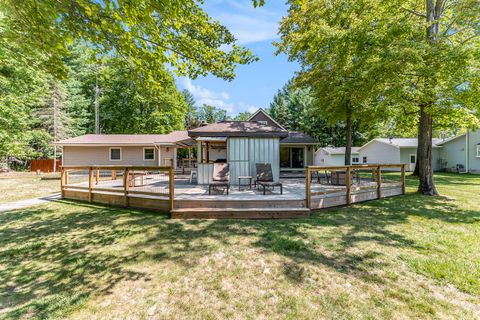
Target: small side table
{"type": "Point", "coordinates": [250, 178]}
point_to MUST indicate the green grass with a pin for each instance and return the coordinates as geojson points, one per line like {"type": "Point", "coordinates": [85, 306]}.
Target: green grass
{"type": "Point", "coordinates": [404, 257]}
{"type": "Point", "coordinates": [17, 186]}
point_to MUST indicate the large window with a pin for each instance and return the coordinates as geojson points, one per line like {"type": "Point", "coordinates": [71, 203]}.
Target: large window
{"type": "Point", "coordinates": [478, 150]}
{"type": "Point", "coordinates": [355, 160]}
{"type": "Point", "coordinates": [148, 154]}
{"type": "Point", "coordinates": [364, 159]}
{"type": "Point", "coordinates": [115, 154]}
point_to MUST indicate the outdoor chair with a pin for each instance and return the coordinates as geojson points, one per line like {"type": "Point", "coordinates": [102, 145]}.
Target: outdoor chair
{"type": "Point", "coordinates": [265, 177]}
{"type": "Point", "coordinates": [221, 177]}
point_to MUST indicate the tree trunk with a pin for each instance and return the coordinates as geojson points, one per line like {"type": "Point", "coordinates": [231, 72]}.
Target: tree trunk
{"type": "Point", "coordinates": [415, 172]}
{"type": "Point", "coordinates": [425, 171]}
{"type": "Point", "coordinates": [348, 136]}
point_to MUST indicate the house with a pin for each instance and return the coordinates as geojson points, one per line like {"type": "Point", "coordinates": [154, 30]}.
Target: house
{"type": "Point", "coordinates": [242, 144]}
{"type": "Point", "coordinates": [331, 156]}
{"type": "Point", "coordinates": [397, 150]}
{"type": "Point", "coordinates": [461, 153]}
{"type": "Point", "coordinates": [124, 149]}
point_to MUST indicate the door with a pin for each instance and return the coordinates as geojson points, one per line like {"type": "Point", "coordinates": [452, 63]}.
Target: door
{"type": "Point", "coordinates": [298, 157]}
{"type": "Point", "coordinates": [412, 162]}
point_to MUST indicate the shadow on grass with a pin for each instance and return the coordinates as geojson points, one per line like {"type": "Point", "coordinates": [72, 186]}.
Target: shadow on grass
{"type": "Point", "coordinates": [52, 262]}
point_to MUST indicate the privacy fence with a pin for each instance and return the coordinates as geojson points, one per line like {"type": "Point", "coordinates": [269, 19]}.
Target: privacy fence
{"type": "Point", "coordinates": [142, 187]}
{"type": "Point", "coordinates": [342, 185]}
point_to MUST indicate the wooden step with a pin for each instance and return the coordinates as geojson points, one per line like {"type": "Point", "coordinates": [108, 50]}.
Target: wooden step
{"type": "Point", "coordinates": [238, 204]}
{"type": "Point", "coordinates": [236, 213]}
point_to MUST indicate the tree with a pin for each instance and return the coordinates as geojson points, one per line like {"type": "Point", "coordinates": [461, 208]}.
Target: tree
{"type": "Point", "coordinates": [191, 114]}
{"type": "Point", "coordinates": [211, 114]}
{"type": "Point", "coordinates": [242, 116]}
{"type": "Point", "coordinates": [178, 33]}
{"type": "Point", "coordinates": [334, 43]}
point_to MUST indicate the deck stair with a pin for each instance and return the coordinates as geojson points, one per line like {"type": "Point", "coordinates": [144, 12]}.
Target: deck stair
{"type": "Point", "coordinates": [239, 209]}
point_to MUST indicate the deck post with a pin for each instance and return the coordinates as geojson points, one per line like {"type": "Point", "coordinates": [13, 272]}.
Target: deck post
{"type": "Point", "coordinates": [403, 179]}
{"type": "Point", "coordinates": [66, 176]}
{"type": "Point", "coordinates": [379, 182]}
{"type": "Point", "coordinates": [348, 182]}
{"type": "Point", "coordinates": [62, 182]}
{"type": "Point", "coordinates": [125, 186]}
{"type": "Point", "coordinates": [114, 174]}
{"type": "Point", "coordinates": [90, 183]}
{"type": "Point", "coordinates": [307, 187]}
{"type": "Point", "coordinates": [171, 181]}
{"type": "Point", "coordinates": [97, 176]}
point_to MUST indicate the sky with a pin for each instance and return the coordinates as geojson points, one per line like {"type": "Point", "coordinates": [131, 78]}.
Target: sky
{"type": "Point", "coordinates": [255, 84]}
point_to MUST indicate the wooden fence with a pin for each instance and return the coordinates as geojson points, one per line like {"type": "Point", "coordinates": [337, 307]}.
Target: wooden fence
{"type": "Point", "coordinates": [343, 185]}
{"type": "Point", "coordinates": [44, 165]}
{"type": "Point", "coordinates": [130, 186]}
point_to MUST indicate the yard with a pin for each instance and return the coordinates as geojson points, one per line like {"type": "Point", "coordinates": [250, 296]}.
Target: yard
{"type": "Point", "coordinates": [17, 186]}
{"type": "Point", "coordinates": [404, 257]}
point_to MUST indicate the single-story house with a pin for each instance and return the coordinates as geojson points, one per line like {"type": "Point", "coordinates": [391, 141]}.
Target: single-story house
{"type": "Point", "coordinates": [242, 144]}
{"type": "Point", "coordinates": [335, 156]}
{"type": "Point", "coordinates": [397, 150]}
{"type": "Point", "coordinates": [462, 152]}
{"type": "Point", "coordinates": [124, 149]}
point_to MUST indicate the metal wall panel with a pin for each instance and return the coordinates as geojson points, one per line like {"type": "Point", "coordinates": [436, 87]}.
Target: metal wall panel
{"type": "Point", "coordinates": [238, 158]}
{"type": "Point", "coordinates": [265, 150]}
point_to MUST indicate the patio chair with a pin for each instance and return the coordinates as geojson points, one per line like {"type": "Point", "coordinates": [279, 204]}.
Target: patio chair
{"type": "Point", "coordinates": [265, 177]}
{"type": "Point", "coordinates": [221, 177]}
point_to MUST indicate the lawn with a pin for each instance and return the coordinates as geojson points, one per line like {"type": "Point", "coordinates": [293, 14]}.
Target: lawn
{"type": "Point", "coordinates": [17, 186]}
{"type": "Point", "coordinates": [404, 257]}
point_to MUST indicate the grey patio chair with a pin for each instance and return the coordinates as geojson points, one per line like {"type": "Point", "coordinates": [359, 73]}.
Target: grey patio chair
{"type": "Point", "coordinates": [221, 177]}
{"type": "Point", "coordinates": [265, 177]}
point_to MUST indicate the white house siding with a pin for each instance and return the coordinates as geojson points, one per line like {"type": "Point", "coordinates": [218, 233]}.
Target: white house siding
{"type": "Point", "coordinates": [453, 152]}
{"type": "Point", "coordinates": [132, 156]}
{"type": "Point", "coordinates": [405, 158]}
{"type": "Point", "coordinates": [473, 160]}
{"type": "Point", "coordinates": [323, 158]}
{"type": "Point", "coordinates": [378, 152]}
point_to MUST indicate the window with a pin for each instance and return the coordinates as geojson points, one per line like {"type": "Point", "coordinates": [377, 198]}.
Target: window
{"type": "Point", "coordinates": [355, 160]}
{"type": "Point", "coordinates": [115, 154]}
{"type": "Point", "coordinates": [413, 158]}
{"type": "Point", "coordinates": [478, 150]}
{"type": "Point", "coordinates": [364, 159]}
{"type": "Point", "coordinates": [148, 154]}
{"type": "Point", "coordinates": [263, 122]}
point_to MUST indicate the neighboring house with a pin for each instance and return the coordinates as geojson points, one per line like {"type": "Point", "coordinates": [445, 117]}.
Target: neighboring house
{"type": "Point", "coordinates": [461, 153]}
{"type": "Point", "coordinates": [124, 149]}
{"type": "Point", "coordinates": [397, 150]}
{"type": "Point", "coordinates": [330, 156]}
{"type": "Point", "coordinates": [242, 144]}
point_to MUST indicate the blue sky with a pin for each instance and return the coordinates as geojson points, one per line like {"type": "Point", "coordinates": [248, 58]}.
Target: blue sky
{"type": "Point", "coordinates": [255, 84]}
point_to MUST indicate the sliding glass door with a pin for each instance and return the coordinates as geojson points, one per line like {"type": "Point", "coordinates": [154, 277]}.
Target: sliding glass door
{"type": "Point", "coordinates": [292, 157]}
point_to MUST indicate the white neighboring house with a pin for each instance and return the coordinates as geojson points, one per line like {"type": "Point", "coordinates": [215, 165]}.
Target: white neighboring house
{"type": "Point", "coordinates": [330, 156]}
{"type": "Point", "coordinates": [397, 150]}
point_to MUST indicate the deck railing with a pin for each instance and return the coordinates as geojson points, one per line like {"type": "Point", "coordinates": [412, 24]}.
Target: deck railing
{"type": "Point", "coordinates": [138, 186]}
{"type": "Point", "coordinates": [328, 186]}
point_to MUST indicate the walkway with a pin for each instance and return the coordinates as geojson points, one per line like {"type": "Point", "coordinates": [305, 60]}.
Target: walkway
{"type": "Point", "coordinates": [27, 203]}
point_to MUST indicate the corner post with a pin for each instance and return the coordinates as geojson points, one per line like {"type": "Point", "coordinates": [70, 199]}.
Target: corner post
{"type": "Point", "coordinates": [307, 187]}
{"type": "Point", "coordinates": [379, 182]}
{"type": "Point", "coordinates": [403, 179]}
{"type": "Point", "coordinates": [125, 186]}
{"type": "Point", "coordinates": [62, 182]}
{"type": "Point", "coordinates": [348, 182]}
{"type": "Point", "coordinates": [97, 176]}
{"type": "Point", "coordinates": [90, 183]}
{"type": "Point", "coordinates": [171, 181]}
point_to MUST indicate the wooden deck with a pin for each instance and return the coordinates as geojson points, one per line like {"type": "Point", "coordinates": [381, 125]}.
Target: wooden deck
{"type": "Point", "coordinates": [191, 201]}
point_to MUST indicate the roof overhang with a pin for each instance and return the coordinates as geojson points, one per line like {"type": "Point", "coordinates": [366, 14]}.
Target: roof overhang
{"type": "Point", "coordinates": [197, 135]}
{"type": "Point", "coordinates": [212, 139]}
{"type": "Point", "coordinates": [114, 144]}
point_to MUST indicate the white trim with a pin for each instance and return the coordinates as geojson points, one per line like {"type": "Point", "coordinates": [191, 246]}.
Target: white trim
{"type": "Point", "coordinates": [450, 139]}
{"type": "Point", "coordinates": [410, 158]}
{"type": "Point", "coordinates": [267, 115]}
{"type": "Point", "coordinates": [153, 148]}
{"type": "Point", "coordinates": [110, 154]}
{"type": "Point", "coordinates": [478, 150]}
{"type": "Point", "coordinates": [467, 147]}
{"type": "Point", "coordinates": [379, 141]}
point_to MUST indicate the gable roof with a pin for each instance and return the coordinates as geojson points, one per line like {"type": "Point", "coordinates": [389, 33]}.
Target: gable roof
{"type": "Point", "coordinates": [339, 150]}
{"type": "Point", "coordinates": [450, 139]}
{"type": "Point", "coordinates": [127, 139]}
{"type": "Point", "coordinates": [400, 142]}
{"type": "Point", "coordinates": [265, 114]}
{"type": "Point", "coordinates": [298, 137]}
{"type": "Point", "coordinates": [237, 129]}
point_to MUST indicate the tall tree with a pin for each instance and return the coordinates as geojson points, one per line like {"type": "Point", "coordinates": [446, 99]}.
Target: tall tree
{"type": "Point", "coordinates": [211, 114]}
{"type": "Point", "coordinates": [242, 116]}
{"type": "Point", "coordinates": [191, 114]}
{"type": "Point", "coordinates": [334, 42]}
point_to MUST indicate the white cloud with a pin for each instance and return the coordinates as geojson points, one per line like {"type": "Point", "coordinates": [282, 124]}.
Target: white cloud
{"type": "Point", "coordinates": [217, 99]}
